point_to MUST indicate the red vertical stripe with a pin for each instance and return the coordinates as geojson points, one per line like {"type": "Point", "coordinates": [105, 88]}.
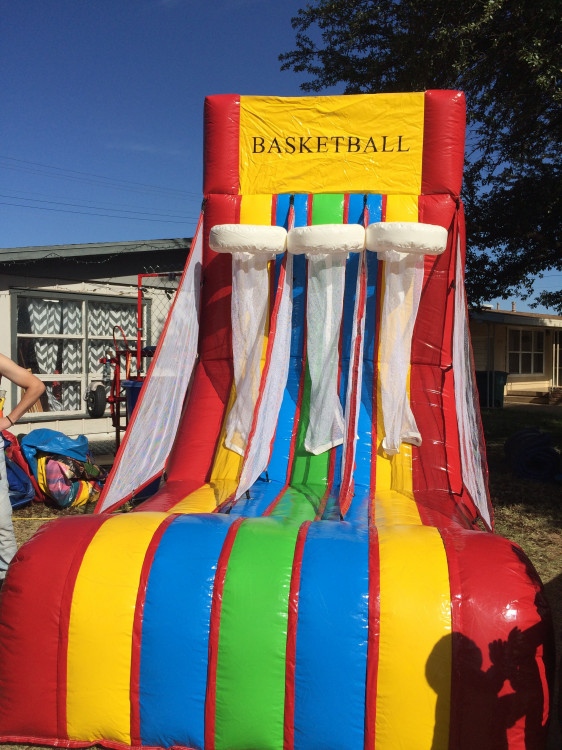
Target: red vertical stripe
{"type": "Point", "coordinates": [345, 219]}
{"type": "Point", "coordinates": [347, 479]}
{"type": "Point", "coordinates": [372, 640]}
{"type": "Point", "coordinates": [329, 485]}
{"type": "Point", "coordinates": [290, 658]}
{"type": "Point", "coordinates": [137, 628]}
{"type": "Point", "coordinates": [218, 589]}
{"type": "Point", "coordinates": [432, 357]}
{"type": "Point", "coordinates": [376, 376]}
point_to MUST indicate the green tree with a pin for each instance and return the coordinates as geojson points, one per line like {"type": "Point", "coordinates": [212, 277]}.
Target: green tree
{"type": "Point", "coordinates": [505, 56]}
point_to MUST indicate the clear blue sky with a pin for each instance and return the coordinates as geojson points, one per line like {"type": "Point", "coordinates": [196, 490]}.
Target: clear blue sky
{"type": "Point", "coordinates": [102, 110]}
{"type": "Point", "coordinates": [115, 89]}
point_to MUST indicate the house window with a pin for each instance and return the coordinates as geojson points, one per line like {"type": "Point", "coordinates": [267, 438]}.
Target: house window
{"type": "Point", "coordinates": [61, 340]}
{"type": "Point", "coordinates": [526, 352]}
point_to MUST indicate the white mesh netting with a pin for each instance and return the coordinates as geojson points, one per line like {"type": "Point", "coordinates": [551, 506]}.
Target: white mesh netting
{"type": "Point", "coordinates": [275, 374]}
{"type": "Point", "coordinates": [403, 278]}
{"type": "Point", "coordinates": [326, 278]}
{"type": "Point", "coordinates": [152, 430]}
{"type": "Point", "coordinates": [250, 307]}
{"type": "Point", "coordinates": [470, 432]}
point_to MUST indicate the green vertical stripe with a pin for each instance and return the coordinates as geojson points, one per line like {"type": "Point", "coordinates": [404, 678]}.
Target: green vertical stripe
{"type": "Point", "coordinates": [250, 693]}
{"type": "Point", "coordinates": [327, 209]}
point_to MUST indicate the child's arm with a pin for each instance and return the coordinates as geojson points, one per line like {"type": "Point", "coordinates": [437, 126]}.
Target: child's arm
{"type": "Point", "coordinates": [32, 385]}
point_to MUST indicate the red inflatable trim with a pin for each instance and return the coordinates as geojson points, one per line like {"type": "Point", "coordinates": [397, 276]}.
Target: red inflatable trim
{"type": "Point", "coordinates": [215, 333]}
{"type": "Point", "coordinates": [291, 650]}
{"type": "Point", "coordinates": [192, 456]}
{"type": "Point", "coordinates": [221, 139]}
{"type": "Point", "coordinates": [443, 142]}
{"type": "Point", "coordinates": [436, 463]}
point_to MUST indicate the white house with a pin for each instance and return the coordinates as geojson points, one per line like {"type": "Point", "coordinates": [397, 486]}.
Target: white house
{"type": "Point", "coordinates": [526, 346]}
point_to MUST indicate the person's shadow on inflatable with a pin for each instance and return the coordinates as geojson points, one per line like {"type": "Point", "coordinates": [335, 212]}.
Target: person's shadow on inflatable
{"type": "Point", "coordinates": [484, 704]}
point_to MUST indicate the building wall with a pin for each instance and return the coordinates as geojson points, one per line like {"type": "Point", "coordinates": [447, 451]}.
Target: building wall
{"type": "Point", "coordinates": [70, 425]}
{"type": "Point", "coordinates": [489, 345]}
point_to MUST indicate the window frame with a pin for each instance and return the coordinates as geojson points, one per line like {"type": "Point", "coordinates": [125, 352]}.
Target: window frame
{"type": "Point", "coordinates": [534, 333]}
{"type": "Point", "coordinates": [85, 377]}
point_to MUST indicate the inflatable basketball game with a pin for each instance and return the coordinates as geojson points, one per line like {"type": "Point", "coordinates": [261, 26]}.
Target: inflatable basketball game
{"type": "Point", "coordinates": [318, 570]}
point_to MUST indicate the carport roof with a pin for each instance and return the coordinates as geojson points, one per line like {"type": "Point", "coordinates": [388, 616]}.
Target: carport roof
{"type": "Point", "coordinates": [513, 318]}
{"type": "Point", "coordinates": [54, 252]}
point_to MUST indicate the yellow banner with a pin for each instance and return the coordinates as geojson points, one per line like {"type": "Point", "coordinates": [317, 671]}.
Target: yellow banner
{"type": "Point", "coordinates": [328, 144]}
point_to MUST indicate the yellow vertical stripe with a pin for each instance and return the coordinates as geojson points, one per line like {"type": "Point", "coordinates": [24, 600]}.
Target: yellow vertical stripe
{"type": "Point", "coordinates": [394, 500]}
{"type": "Point", "coordinates": [101, 626]}
{"type": "Point", "coordinates": [402, 208]}
{"type": "Point", "coordinates": [255, 209]}
{"type": "Point", "coordinates": [415, 640]}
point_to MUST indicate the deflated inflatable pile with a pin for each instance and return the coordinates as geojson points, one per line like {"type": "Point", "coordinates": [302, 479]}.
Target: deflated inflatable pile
{"type": "Point", "coordinates": [314, 571]}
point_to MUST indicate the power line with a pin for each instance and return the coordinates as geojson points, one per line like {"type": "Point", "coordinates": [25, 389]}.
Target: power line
{"type": "Point", "coordinates": [69, 174]}
{"type": "Point", "coordinates": [81, 205]}
{"type": "Point", "coordinates": [28, 195]}
{"type": "Point", "coordinates": [88, 213]}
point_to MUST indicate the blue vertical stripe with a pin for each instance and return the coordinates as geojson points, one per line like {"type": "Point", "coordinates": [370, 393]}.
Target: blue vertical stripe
{"type": "Point", "coordinates": [175, 631]}
{"type": "Point", "coordinates": [331, 652]}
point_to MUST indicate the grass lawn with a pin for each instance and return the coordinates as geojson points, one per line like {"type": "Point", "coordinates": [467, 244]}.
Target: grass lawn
{"type": "Point", "coordinates": [526, 512]}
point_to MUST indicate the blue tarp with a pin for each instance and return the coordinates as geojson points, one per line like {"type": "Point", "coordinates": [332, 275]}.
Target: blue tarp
{"type": "Point", "coordinates": [51, 441]}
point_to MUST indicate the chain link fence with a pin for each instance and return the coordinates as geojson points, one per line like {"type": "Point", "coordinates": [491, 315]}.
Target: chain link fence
{"type": "Point", "coordinates": [156, 295]}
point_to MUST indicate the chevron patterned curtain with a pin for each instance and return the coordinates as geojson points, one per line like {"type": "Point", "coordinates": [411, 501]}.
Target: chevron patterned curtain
{"type": "Point", "coordinates": [71, 353]}
{"type": "Point", "coordinates": [45, 318]}
{"type": "Point", "coordinates": [104, 316]}
{"type": "Point", "coordinates": [60, 356]}
{"type": "Point", "coordinates": [102, 319]}
{"type": "Point", "coordinates": [51, 336]}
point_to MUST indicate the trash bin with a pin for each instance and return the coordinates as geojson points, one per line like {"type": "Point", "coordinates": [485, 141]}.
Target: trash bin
{"type": "Point", "coordinates": [491, 384]}
{"type": "Point", "coordinates": [132, 391]}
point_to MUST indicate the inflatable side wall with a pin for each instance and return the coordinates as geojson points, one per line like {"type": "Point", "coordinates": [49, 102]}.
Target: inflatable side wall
{"type": "Point", "coordinates": [318, 569]}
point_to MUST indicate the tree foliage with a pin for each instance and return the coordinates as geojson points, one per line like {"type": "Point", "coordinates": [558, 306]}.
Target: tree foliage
{"type": "Point", "coordinates": [505, 56]}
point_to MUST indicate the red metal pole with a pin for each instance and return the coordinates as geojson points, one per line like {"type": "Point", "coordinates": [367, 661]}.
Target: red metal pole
{"type": "Point", "coordinates": [139, 323]}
